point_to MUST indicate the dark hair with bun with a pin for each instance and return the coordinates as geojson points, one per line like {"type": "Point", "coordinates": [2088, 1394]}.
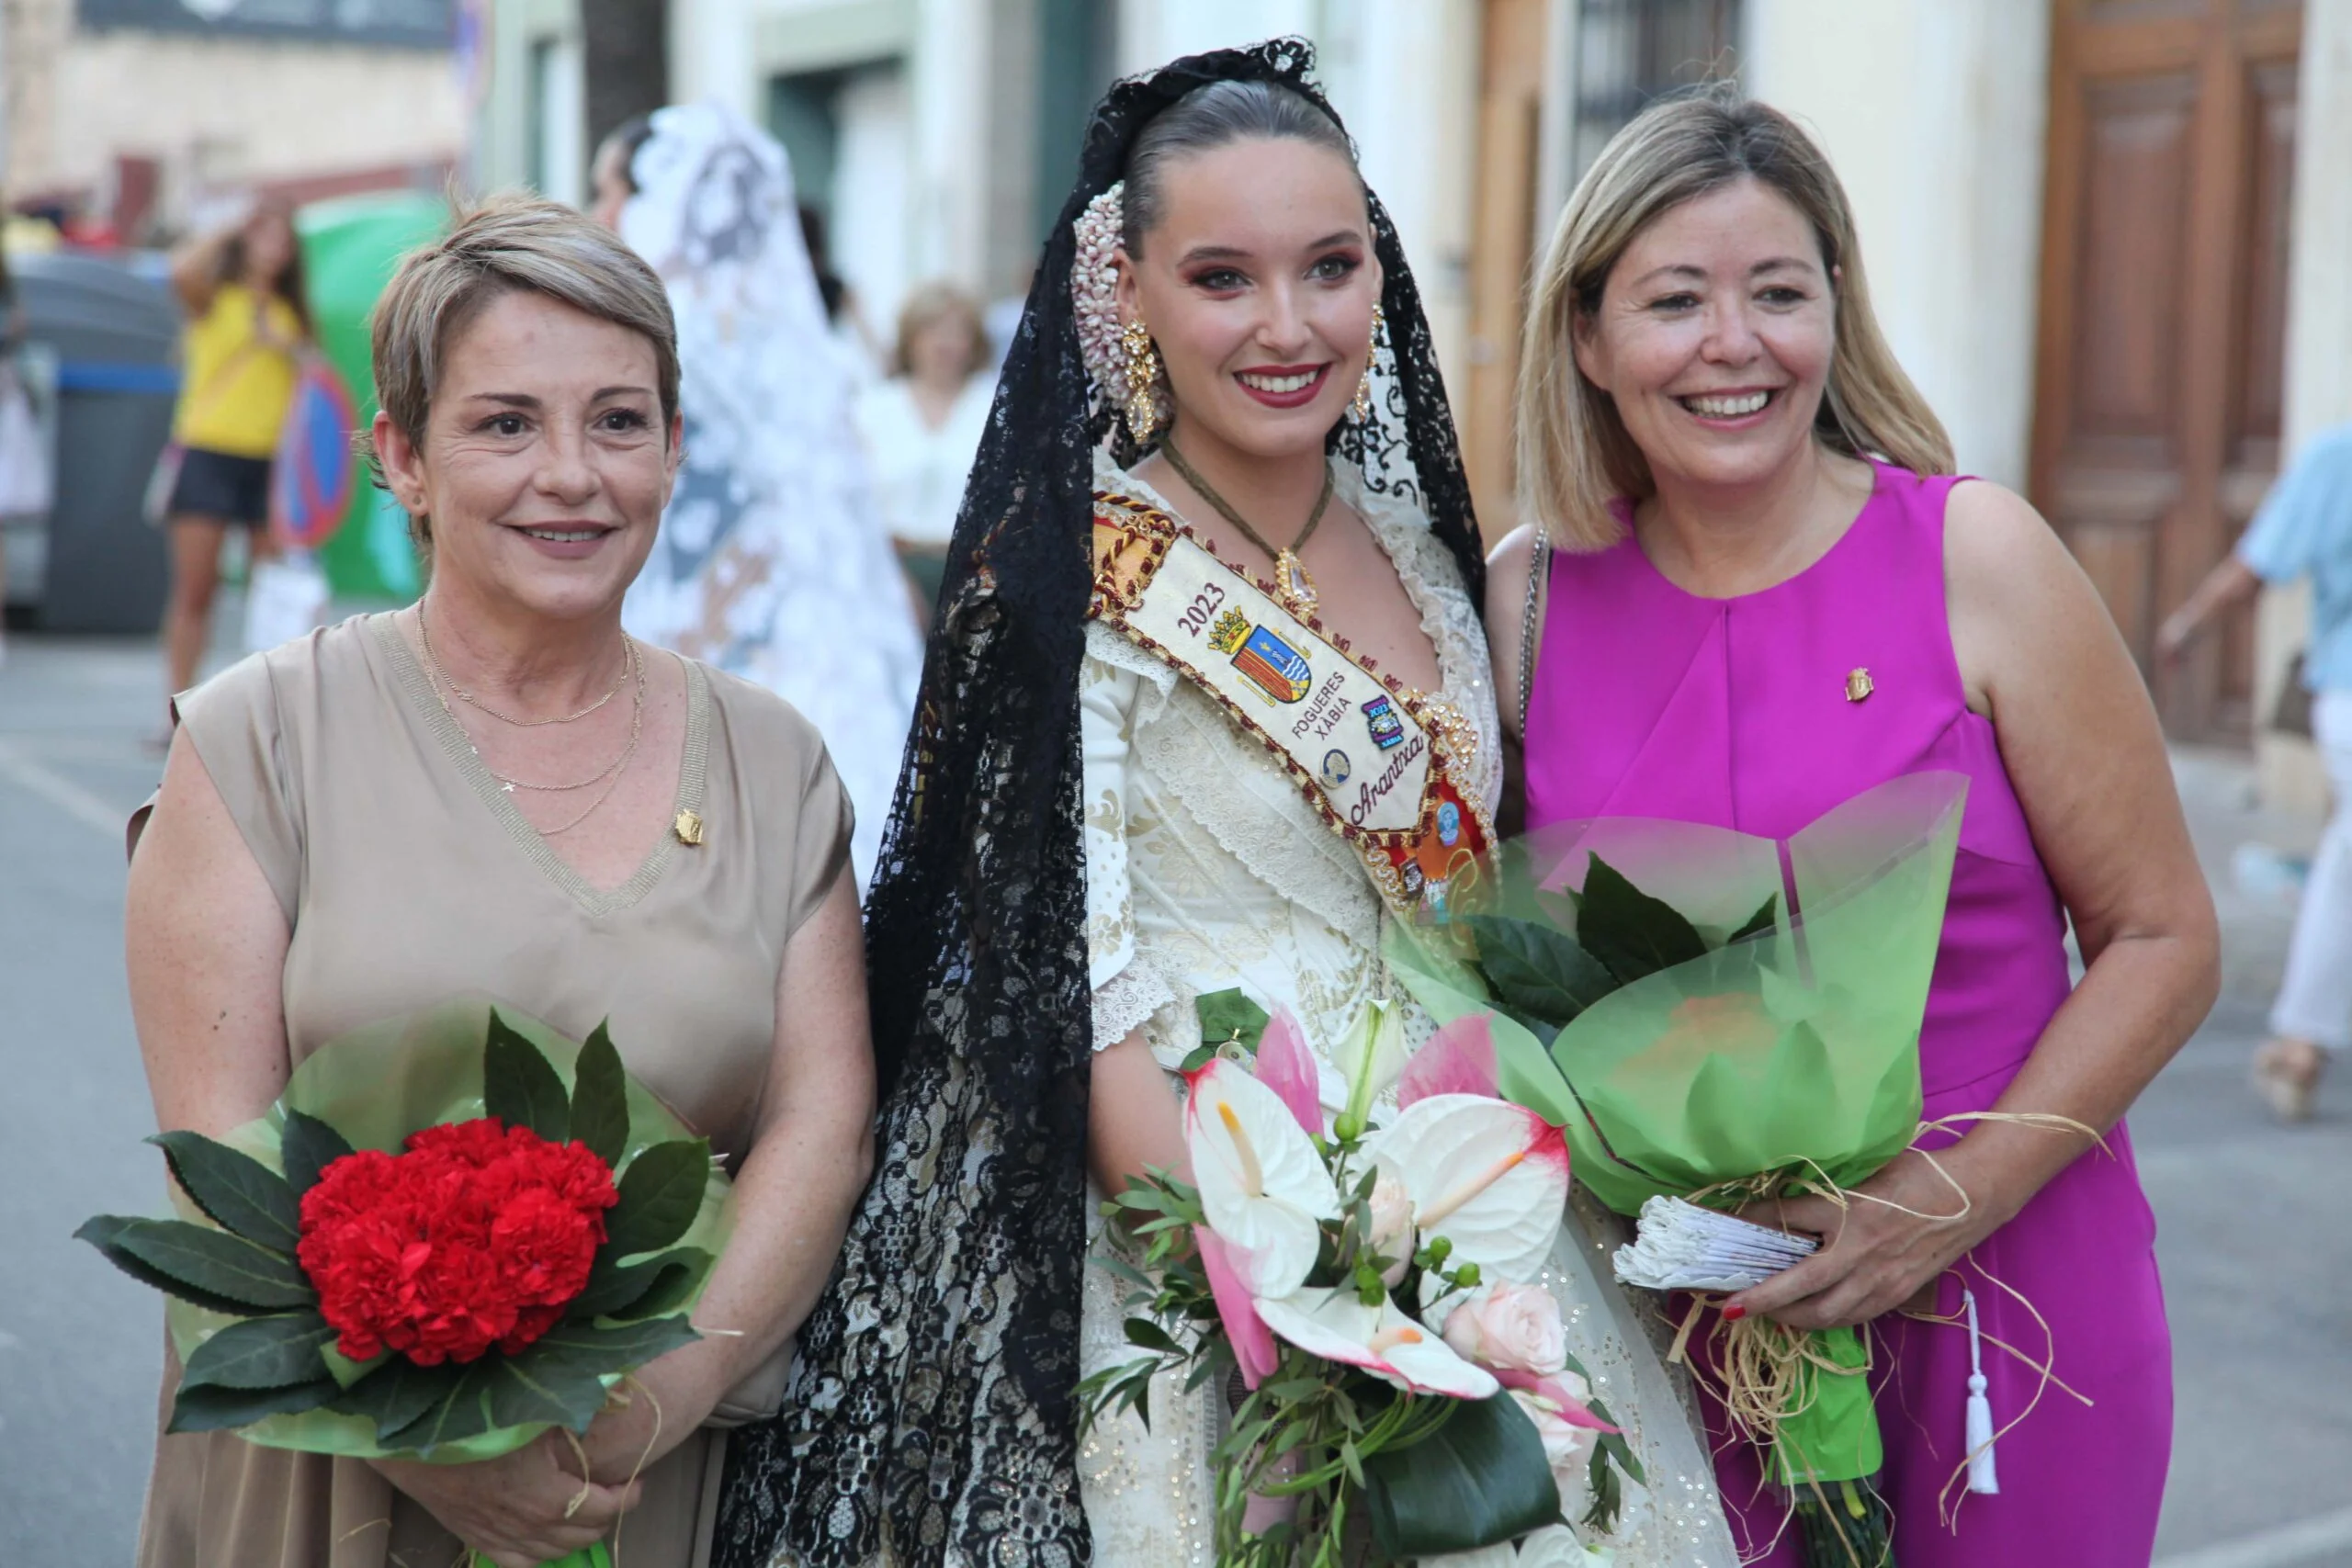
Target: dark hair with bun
{"type": "Point", "coordinates": [1212, 116]}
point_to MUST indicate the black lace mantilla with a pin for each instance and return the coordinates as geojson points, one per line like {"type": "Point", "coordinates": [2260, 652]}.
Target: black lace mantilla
{"type": "Point", "coordinates": [932, 1418]}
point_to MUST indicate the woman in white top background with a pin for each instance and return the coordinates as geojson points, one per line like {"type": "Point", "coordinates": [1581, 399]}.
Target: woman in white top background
{"type": "Point", "coordinates": [923, 427]}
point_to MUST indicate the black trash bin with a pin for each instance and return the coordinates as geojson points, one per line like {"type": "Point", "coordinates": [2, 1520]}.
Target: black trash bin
{"type": "Point", "coordinates": [115, 327]}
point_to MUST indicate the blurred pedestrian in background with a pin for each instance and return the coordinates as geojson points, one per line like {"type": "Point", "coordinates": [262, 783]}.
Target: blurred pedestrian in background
{"type": "Point", "coordinates": [247, 323]}
{"type": "Point", "coordinates": [768, 563]}
{"type": "Point", "coordinates": [923, 427]}
{"type": "Point", "coordinates": [2304, 529]}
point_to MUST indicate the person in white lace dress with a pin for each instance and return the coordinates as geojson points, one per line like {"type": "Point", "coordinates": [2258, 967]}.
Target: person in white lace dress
{"type": "Point", "coordinates": [1246, 265]}
{"type": "Point", "coordinates": [769, 563]}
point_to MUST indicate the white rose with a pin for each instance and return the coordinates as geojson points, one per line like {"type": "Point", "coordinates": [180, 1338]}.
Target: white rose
{"type": "Point", "coordinates": [1392, 1227]}
{"type": "Point", "coordinates": [1565, 1448]}
{"type": "Point", "coordinates": [1512, 1328]}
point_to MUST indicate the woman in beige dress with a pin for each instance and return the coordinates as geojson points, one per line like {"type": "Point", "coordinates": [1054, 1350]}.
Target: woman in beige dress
{"type": "Point", "coordinates": [497, 794]}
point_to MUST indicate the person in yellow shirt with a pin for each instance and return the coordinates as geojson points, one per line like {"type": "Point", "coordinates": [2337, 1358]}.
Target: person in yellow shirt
{"type": "Point", "coordinates": [247, 320]}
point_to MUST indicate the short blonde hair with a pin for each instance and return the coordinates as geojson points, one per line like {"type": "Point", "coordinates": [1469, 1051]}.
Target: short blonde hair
{"type": "Point", "coordinates": [934, 303]}
{"type": "Point", "coordinates": [507, 244]}
{"type": "Point", "coordinates": [1574, 455]}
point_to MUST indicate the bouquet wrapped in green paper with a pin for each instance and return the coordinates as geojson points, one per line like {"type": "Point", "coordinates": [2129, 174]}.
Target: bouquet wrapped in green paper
{"type": "Point", "coordinates": [452, 1233]}
{"type": "Point", "coordinates": [1723, 1017]}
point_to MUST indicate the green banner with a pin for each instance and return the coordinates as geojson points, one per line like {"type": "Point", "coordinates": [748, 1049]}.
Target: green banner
{"type": "Point", "coordinates": [350, 245]}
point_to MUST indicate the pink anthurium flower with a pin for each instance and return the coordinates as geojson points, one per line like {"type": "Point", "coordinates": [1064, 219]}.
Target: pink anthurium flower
{"type": "Point", "coordinates": [1289, 1068]}
{"type": "Point", "coordinates": [1263, 1186]}
{"type": "Point", "coordinates": [1252, 1341]}
{"type": "Point", "coordinates": [1491, 1178]}
{"type": "Point", "coordinates": [1560, 1388]}
{"type": "Point", "coordinates": [1458, 1059]}
{"type": "Point", "coordinates": [1335, 1324]}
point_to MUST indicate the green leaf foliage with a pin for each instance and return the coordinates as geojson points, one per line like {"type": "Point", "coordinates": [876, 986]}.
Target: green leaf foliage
{"type": "Point", "coordinates": [544, 1385]}
{"type": "Point", "coordinates": [261, 1352]}
{"type": "Point", "coordinates": [398, 1393]}
{"type": "Point", "coordinates": [519, 1087]}
{"type": "Point", "coordinates": [215, 1263]}
{"type": "Point", "coordinates": [1631, 932]}
{"type": "Point", "coordinates": [1480, 1479]}
{"type": "Point", "coordinates": [241, 1194]}
{"type": "Point", "coordinates": [600, 1099]}
{"type": "Point", "coordinates": [105, 1231]}
{"type": "Point", "coordinates": [211, 1408]}
{"type": "Point", "coordinates": [1229, 1015]}
{"type": "Point", "coordinates": [1760, 923]}
{"type": "Point", "coordinates": [638, 1290]}
{"type": "Point", "coordinates": [461, 1412]}
{"type": "Point", "coordinates": [660, 1192]}
{"type": "Point", "coordinates": [309, 1145]}
{"type": "Point", "coordinates": [1536, 971]}
{"type": "Point", "coordinates": [619, 1348]}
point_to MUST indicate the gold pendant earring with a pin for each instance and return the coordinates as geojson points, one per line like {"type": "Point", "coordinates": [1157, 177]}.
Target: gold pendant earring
{"type": "Point", "coordinates": [1360, 406]}
{"type": "Point", "coordinates": [1142, 412]}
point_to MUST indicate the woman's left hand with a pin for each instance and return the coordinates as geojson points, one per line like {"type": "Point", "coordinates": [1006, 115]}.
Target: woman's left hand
{"type": "Point", "coordinates": [1876, 1255]}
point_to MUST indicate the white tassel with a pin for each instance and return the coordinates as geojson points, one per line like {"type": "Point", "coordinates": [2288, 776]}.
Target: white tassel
{"type": "Point", "coordinates": [1982, 1478]}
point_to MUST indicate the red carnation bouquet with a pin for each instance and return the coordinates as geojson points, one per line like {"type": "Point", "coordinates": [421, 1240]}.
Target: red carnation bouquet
{"type": "Point", "coordinates": [451, 1234]}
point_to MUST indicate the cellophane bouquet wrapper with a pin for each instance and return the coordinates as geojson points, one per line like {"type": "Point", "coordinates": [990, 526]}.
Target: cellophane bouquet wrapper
{"type": "Point", "coordinates": [1793, 1050]}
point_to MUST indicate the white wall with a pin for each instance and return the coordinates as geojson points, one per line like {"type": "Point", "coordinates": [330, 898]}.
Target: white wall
{"type": "Point", "coordinates": [1153, 32]}
{"type": "Point", "coordinates": [871, 185]}
{"type": "Point", "coordinates": [1933, 112]}
{"type": "Point", "coordinates": [226, 111]}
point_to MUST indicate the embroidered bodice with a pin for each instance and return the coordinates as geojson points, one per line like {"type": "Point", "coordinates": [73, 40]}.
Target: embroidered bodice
{"type": "Point", "coordinates": [1206, 866]}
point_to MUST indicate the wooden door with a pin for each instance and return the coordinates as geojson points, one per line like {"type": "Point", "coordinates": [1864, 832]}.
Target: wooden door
{"type": "Point", "coordinates": [1503, 239]}
{"type": "Point", "coordinates": [2172, 141]}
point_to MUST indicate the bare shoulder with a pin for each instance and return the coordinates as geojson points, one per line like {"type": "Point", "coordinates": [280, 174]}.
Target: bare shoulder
{"type": "Point", "coordinates": [1995, 542]}
{"type": "Point", "coordinates": [2020, 604]}
{"type": "Point", "coordinates": [1507, 565]}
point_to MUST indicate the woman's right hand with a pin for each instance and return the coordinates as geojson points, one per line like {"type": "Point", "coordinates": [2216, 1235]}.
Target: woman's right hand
{"type": "Point", "coordinates": [511, 1509]}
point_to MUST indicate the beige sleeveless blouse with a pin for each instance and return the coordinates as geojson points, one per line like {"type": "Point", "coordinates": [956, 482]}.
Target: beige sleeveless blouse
{"type": "Point", "coordinates": [408, 877]}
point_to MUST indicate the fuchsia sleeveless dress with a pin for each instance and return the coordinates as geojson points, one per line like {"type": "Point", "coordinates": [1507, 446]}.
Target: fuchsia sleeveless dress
{"type": "Point", "coordinates": [1651, 702]}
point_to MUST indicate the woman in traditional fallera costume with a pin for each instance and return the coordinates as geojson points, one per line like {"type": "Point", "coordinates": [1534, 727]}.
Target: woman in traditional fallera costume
{"type": "Point", "coordinates": [1142, 772]}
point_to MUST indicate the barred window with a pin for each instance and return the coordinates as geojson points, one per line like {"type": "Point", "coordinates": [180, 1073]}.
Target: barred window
{"type": "Point", "coordinates": [1630, 52]}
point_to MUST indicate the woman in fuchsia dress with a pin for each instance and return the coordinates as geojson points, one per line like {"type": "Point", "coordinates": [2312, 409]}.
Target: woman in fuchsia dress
{"type": "Point", "coordinates": [1762, 592]}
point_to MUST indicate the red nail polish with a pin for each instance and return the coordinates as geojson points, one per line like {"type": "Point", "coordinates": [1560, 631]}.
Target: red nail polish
{"type": "Point", "coordinates": [1733, 1312]}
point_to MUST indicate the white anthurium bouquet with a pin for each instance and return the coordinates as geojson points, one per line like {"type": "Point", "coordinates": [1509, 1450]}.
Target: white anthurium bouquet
{"type": "Point", "coordinates": [1406, 1393]}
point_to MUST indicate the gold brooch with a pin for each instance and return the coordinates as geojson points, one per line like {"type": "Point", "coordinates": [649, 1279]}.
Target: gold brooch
{"type": "Point", "coordinates": [1859, 686]}
{"type": "Point", "coordinates": [688, 827]}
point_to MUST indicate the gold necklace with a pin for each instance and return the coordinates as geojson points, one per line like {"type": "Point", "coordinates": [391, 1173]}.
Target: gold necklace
{"type": "Point", "coordinates": [635, 729]}
{"type": "Point", "coordinates": [632, 661]}
{"type": "Point", "coordinates": [1291, 582]}
{"type": "Point", "coordinates": [607, 792]}
{"type": "Point", "coordinates": [425, 637]}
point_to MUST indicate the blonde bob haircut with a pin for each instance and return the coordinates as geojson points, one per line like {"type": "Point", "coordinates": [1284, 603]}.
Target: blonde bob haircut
{"type": "Point", "coordinates": [1575, 455]}
{"type": "Point", "coordinates": [508, 245]}
{"type": "Point", "coordinates": [934, 302]}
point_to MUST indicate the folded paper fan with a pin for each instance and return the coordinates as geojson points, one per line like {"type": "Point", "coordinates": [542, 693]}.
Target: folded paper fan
{"type": "Point", "coordinates": [1681, 1247]}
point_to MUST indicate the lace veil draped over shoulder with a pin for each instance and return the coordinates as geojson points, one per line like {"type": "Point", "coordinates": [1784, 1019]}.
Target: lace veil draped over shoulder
{"type": "Point", "coordinates": [768, 564]}
{"type": "Point", "coordinates": [932, 1415]}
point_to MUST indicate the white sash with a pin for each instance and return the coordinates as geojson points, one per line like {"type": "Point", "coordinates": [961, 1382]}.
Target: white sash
{"type": "Point", "coordinates": [1373, 757]}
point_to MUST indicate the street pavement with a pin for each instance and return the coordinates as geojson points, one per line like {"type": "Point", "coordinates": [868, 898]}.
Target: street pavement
{"type": "Point", "coordinates": [2256, 1246]}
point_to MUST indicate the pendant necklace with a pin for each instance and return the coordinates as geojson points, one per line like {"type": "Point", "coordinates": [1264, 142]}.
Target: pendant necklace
{"type": "Point", "coordinates": [1291, 583]}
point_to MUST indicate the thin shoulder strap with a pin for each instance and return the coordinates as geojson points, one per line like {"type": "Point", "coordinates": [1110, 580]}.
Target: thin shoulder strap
{"type": "Point", "coordinates": [1538, 570]}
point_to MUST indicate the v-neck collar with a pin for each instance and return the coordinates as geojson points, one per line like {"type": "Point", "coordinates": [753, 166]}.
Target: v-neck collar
{"type": "Point", "coordinates": [460, 749]}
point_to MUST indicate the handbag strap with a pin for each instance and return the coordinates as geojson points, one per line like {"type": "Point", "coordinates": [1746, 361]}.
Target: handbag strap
{"type": "Point", "coordinates": [1530, 621]}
